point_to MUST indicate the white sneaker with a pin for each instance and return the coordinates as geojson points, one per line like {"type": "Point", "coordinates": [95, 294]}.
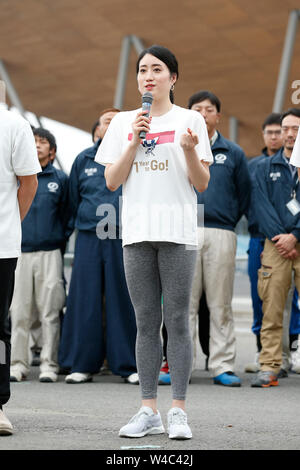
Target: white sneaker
{"type": "Point", "coordinates": [255, 366]}
{"type": "Point", "coordinates": [78, 378]}
{"type": "Point", "coordinates": [16, 375]}
{"type": "Point", "coordinates": [49, 377]}
{"type": "Point", "coordinates": [5, 425]}
{"type": "Point", "coordinates": [144, 422]}
{"type": "Point", "coordinates": [178, 427]}
{"type": "Point", "coordinates": [132, 379]}
{"type": "Point", "coordinates": [296, 362]}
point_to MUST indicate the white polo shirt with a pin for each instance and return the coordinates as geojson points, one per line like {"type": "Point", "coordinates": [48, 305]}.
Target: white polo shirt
{"type": "Point", "coordinates": [18, 156]}
{"type": "Point", "coordinates": [295, 158]}
{"type": "Point", "coordinates": [159, 201]}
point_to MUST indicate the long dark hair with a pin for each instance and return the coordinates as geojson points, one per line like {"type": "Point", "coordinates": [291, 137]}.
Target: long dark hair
{"type": "Point", "coordinates": [166, 56]}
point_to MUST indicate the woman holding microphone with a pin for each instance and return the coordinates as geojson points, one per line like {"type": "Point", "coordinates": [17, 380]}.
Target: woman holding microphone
{"type": "Point", "coordinates": [159, 229]}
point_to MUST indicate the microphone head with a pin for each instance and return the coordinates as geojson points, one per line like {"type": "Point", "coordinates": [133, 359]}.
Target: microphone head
{"type": "Point", "coordinates": [147, 97]}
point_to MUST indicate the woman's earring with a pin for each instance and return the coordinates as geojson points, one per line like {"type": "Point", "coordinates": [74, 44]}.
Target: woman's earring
{"type": "Point", "coordinates": [172, 87]}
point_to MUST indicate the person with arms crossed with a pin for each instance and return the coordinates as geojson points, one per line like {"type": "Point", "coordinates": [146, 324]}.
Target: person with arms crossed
{"type": "Point", "coordinates": [159, 223]}
{"type": "Point", "coordinates": [18, 184]}
{"type": "Point", "coordinates": [276, 198]}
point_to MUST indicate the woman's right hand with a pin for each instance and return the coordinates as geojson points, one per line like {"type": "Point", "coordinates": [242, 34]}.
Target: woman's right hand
{"type": "Point", "coordinates": [141, 123]}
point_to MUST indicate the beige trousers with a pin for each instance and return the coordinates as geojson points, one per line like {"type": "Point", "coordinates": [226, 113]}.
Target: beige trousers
{"type": "Point", "coordinates": [38, 282]}
{"type": "Point", "coordinates": [214, 273]}
{"type": "Point", "coordinates": [274, 282]}
{"type": "Point", "coordinates": [286, 353]}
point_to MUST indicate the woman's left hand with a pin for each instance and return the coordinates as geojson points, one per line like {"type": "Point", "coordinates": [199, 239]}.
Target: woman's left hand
{"type": "Point", "coordinates": [189, 141]}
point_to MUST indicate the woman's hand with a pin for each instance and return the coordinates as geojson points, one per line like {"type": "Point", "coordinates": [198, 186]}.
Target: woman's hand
{"type": "Point", "coordinates": [198, 170]}
{"type": "Point", "coordinates": [141, 123]}
{"type": "Point", "coordinates": [189, 141]}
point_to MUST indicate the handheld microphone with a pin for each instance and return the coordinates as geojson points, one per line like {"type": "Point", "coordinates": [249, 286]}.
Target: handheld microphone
{"type": "Point", "coordinates": [147, 99]}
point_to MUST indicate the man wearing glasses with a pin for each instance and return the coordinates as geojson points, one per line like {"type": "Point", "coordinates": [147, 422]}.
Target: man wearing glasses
{"type": "Point", "coordinates": [277, 196]}
{"type": "Point", "coordinates": [271, 133]}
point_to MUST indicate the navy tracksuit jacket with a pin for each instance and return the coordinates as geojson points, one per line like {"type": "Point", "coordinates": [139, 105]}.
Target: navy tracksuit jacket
{"type": "Point", "coordinates": [273, 185]}
{"type": "Point", "coordinates": [45, 225]}
{"type": "Point", "coordinates": [227, 197]}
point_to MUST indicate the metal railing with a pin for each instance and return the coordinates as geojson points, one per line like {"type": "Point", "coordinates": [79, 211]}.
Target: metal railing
{"type": "Point", "coordinates": [286, 60]}
{"type": "Point", "coordinates": [127, 43]}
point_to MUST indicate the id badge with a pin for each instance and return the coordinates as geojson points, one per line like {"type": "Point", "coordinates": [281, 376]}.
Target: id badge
{"type": "Point", "coordinates": [293, 206]}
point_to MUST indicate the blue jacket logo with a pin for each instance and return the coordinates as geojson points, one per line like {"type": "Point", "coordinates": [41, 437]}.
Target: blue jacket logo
{"type": "Point", "coordinates": [274, 176]}
{"type": "Point", "coordinates": [90, 171]}
{"type": "Point", "coordinates": [53, 187]}
{"type": "Point", "coordinates": [220, 158]}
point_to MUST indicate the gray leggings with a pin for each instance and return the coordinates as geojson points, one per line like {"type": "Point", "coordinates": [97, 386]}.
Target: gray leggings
{"type": "Point", "coordinates": [154, 269]}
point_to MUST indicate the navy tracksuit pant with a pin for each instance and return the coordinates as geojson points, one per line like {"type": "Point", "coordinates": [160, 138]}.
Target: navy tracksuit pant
{"type": "Point", "coordinates": [97, 270]}
{"type": "Point", "coordinates": [254, 252]}
{"type": "Point", "coordinates": [7, 280]}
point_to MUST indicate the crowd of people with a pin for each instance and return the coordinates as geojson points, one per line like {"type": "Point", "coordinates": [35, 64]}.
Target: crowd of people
{"type": "Point", "coordinates": [109, 316]}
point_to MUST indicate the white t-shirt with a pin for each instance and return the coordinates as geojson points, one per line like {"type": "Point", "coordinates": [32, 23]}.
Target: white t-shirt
{"type": "Point", "coordinates": [18, 156]}
{"type": "Point", "coordinates": [295, 157]}
{"type": "Point", "coordinates": [159, 202]}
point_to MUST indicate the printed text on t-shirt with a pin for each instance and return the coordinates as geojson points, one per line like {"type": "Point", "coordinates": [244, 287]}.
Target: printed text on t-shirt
{"type": "Point", "coordinates": [152, 165]}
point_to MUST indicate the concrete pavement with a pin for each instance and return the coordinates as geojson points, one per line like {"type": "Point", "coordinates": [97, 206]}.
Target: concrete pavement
{"type": "Point", "coordinates": [88, 416]}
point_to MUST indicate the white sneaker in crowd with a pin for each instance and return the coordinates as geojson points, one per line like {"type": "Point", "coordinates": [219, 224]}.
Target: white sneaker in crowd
{"type": "Point", "coordinates": [5, 425]}
{"type": "Point", "coordinates": [178, 427]}
{"type": "Point", "coordinates": [255, 366]}
{"type": "Point", "coordinates": [48, 377]}
{"type": "Point", "coordinates": [16, 375]}
{"type": "Point", "coordinates": [143, 423]}
{"type": "Point", "coordinates": [78, 378]}
{"type": "Point", "coordinates": [296, 362]}
{"type": "Point", "coordinates": [132, 379]}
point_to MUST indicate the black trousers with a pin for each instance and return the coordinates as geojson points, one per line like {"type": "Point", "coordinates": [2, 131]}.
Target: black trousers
{"type": "Point", "coordinates": [204, 318]}
{"type": "Point", "coordinates": [7, 278]}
